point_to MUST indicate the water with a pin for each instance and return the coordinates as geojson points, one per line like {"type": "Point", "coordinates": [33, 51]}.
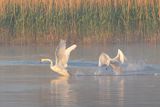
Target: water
{"type": "Point", "coordinates": [25, 82]}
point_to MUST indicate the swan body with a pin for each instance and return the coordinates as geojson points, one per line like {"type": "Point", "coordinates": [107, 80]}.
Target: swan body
{"type": "Point", "coordinates": [106, 60]}
{"type": "Point", "coordinates": [62, 56]}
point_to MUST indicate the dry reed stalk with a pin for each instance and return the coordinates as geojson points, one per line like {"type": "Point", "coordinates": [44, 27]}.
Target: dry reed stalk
{"type": "Point", "coordinates": [159, 8]}
{"type": "Point", "coordinates": [73, 3]}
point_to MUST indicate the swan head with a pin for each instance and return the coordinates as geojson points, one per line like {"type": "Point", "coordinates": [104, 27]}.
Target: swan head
{"type": "Point", "coordinates": [45, 60]}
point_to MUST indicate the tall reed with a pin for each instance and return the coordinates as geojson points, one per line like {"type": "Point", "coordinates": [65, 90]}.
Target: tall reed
{"type": "Point", "coordinates": [28, 21]}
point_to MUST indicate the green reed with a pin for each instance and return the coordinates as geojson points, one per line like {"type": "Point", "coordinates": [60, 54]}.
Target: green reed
{"type": "Point", "coordinates": [88, 21]}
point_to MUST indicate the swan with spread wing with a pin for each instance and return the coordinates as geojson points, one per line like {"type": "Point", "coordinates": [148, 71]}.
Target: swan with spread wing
{"type": "Point", "coordinates": [106, 60]}
{"type": "Point", "coordinates": [62, 55]}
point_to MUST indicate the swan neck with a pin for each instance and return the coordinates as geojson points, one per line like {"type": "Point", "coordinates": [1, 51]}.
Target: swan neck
{"type": "Point", "coordinates": [51, 63]}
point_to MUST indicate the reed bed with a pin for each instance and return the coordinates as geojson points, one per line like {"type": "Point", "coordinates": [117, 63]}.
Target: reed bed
{"type": "Point", "coordinates": [45, 21]}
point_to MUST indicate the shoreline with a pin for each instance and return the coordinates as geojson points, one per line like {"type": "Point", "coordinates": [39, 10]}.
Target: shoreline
{"type": "Point", "coordinates": [85, 40]}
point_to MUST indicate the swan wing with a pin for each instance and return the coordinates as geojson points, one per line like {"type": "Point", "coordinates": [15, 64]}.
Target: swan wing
{"type": "Point", "coordinates": [120, 57]}
{"type": "Point", "coordinates": [67, 53]}
{"type": "Point", "coordinates": [60, 53]}
{"type": "Point", "coordinates": [69, 49]}
{"type": "Point", "coordinates": [104, 59]}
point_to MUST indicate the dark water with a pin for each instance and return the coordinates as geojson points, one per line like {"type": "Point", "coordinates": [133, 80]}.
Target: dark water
{"type": "Point", "coordinates": [25, 82]}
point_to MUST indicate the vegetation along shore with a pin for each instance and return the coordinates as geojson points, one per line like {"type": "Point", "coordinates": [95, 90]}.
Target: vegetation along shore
{"type": "Point", "coordinates": [83, 21]}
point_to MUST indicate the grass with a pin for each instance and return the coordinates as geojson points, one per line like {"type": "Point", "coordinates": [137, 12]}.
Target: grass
{"type": "Point", "coordinates": [45, 21]}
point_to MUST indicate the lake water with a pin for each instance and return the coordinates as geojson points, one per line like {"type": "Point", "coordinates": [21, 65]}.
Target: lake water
{"type": "Point", "coordinates": [25, 82]}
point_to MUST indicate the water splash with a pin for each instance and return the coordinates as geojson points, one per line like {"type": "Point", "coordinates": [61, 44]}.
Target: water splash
{"type": "Point", "coordinates": [81, 67]}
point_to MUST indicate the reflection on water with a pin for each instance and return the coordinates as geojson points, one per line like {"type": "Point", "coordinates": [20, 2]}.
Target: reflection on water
{"type": "Point", "coordinates": [61, 93]}
{"type": "Point", "coordinates": [106, 90]}
{"type": "Point", "coordinates": [65, 93]}
{"type": "Point", "coordinates": [25, 89]}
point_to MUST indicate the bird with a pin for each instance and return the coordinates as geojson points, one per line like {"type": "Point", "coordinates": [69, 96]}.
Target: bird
{"type": "Point", "coordinates": [106, 60]}
{"type": "Point", "coordinates": [62, 56]}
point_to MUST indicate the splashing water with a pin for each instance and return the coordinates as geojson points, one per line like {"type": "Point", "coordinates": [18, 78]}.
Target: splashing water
{"type": "Point", "coordinates": [91, 68]}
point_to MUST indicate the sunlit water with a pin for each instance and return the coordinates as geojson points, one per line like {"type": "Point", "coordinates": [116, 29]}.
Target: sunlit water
{"type": "Point", "coordinates": [26, 82]}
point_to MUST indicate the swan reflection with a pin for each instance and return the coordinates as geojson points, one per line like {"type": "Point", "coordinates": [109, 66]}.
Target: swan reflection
{"type": "Point", "coordinates": [111, 88]}
{"type": "Point", "coordinates": [61, 92]}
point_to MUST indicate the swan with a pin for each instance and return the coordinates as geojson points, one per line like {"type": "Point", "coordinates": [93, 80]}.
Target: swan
{"type": "Point", "coordinates": [106, 60]}
{"type": "Point", "coordinates": [62, 56]}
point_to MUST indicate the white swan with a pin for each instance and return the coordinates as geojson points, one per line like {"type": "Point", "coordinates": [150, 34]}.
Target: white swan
{"type": "Point", "coordinates": [106, 60]}
{"type": "Point", "coordinates": [62, 56]}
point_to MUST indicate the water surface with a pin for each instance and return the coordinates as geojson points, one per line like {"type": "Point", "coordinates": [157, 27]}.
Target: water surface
{"type": "Point", "coordinates": [25, 82]}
